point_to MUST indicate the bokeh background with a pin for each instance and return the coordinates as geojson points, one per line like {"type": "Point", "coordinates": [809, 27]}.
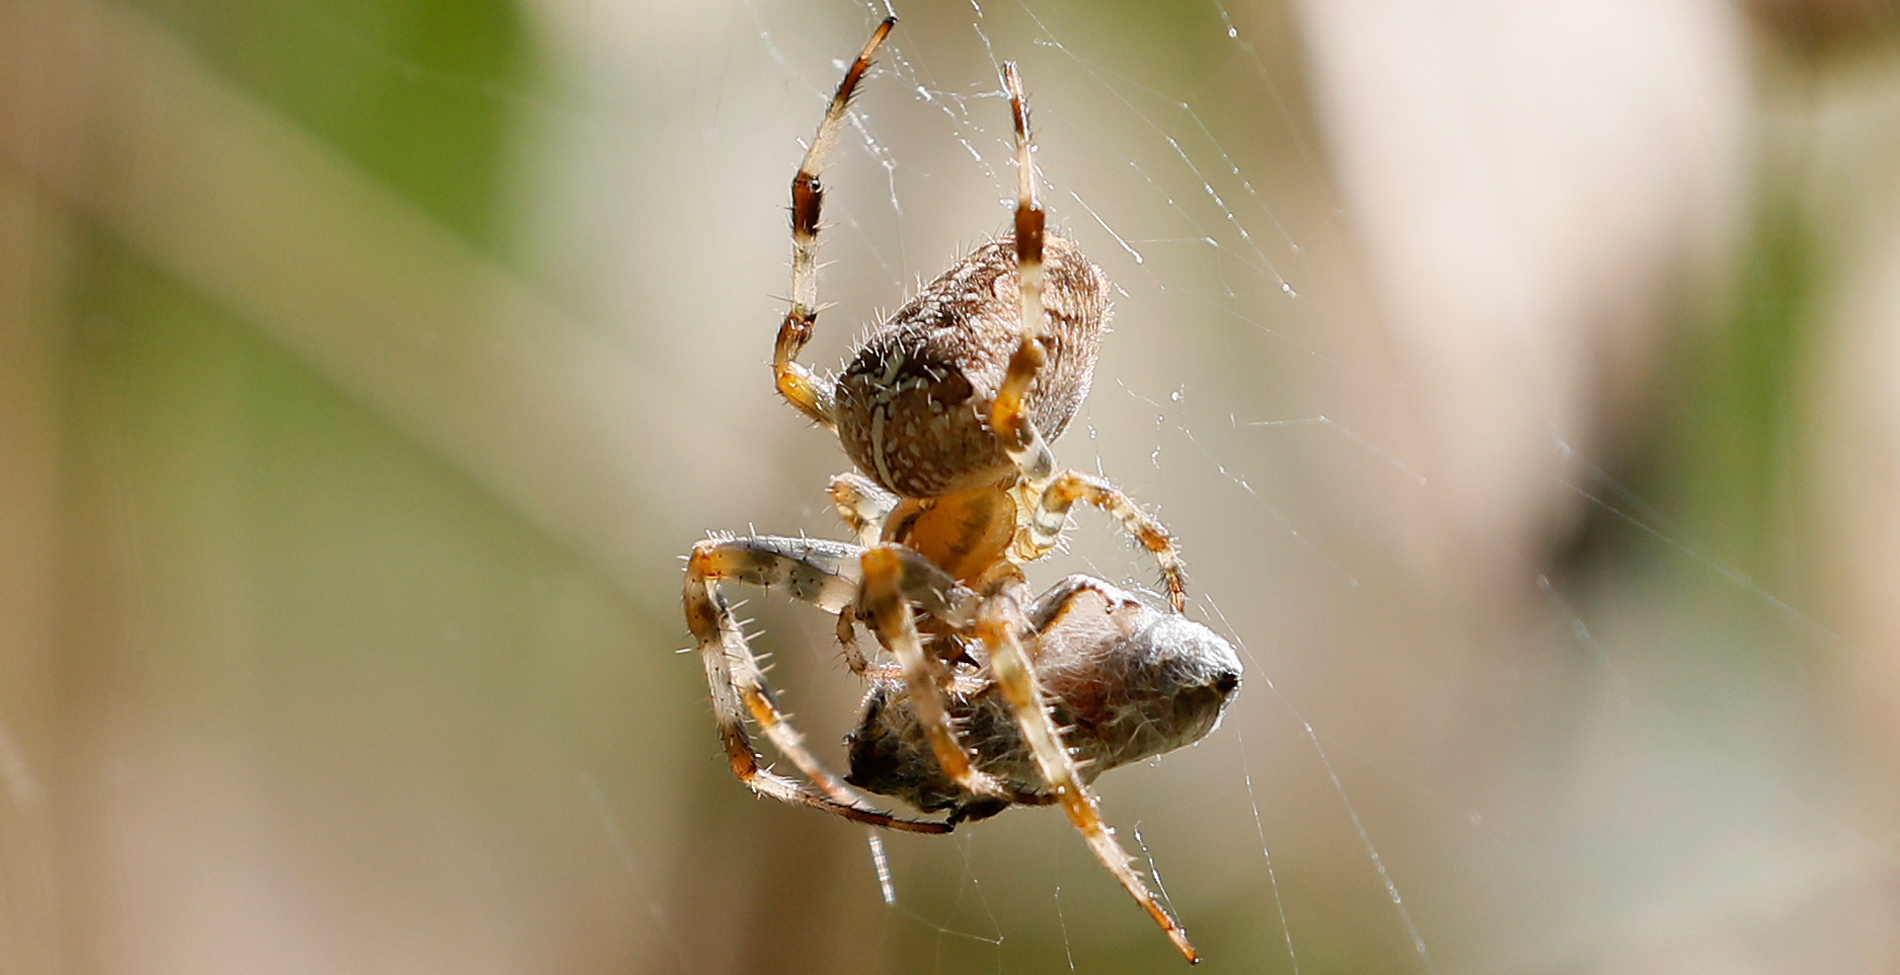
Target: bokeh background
{"type": "Point", "coordinates": [1523, 380]}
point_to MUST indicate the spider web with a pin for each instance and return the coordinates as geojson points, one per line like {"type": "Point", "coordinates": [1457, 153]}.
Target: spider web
{"type": "Point", "coordinates": [1193, 242]}
{"type": "Point", "coordinates": [1242, 374]}
{"type": "Point", "coordinates": [1550, 688]}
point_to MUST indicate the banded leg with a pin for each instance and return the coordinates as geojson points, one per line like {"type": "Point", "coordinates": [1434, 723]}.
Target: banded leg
{"type": "Point", "coordinates": [1017, 432]}
{"type": "Point", "coordinates": [1008, 418]}
{"type": "Point", "coordinates": [810, 570]}
{"type": "Point", "coordinates": [997, 626]}
{"type": "Point", "coordinates": [889, 612]}
{"type": "Point", "coordinates": [1051, 513]}
{"type": "Point", "coordinates": [796, 383]}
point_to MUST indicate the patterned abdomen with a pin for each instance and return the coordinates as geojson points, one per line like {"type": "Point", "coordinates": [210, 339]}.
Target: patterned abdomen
{"type": "Point", "coordinates": [913, 404]}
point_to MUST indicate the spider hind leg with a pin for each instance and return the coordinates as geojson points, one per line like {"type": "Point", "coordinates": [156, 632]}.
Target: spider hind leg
{"type": "Point", "coordinates": [1052, 494]}
{"type": "Point", "coordinates": [805, 391]}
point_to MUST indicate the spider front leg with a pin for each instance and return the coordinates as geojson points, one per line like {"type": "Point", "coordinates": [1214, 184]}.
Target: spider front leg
{"type": "Point", "coordinates": [806, 392]}
{"type": "Point", "coordinates": [893, 578]}
{"type": "Point", "coordinates": [810, 570]}
{"type": "Point", "coordinates": [998, 624]}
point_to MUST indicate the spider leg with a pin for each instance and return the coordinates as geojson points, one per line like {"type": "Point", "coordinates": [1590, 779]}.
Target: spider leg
{"type": "Point", "coordinates": [998, 623]}
{"type": "Point", "coordinates": [811, 570]}
{"type": "Point", "coordinates": [1051, 513]}
{"type": "Point", "coordinates": [891, 582]}
{"type": "Point", "coordinates": [1009, 418]}
{"type": "Point", "coordinates": [796, 383]}
{"type": "Point", "coordinates": [863, 505]}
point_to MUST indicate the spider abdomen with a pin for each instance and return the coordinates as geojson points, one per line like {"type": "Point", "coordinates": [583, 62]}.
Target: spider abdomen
{"type": "Point", "coordinates": [912, 406]}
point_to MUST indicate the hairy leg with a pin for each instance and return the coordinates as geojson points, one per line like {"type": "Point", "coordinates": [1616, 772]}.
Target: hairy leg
{"type": "Point", "coordinates": [804, 569]}
{"type": "Point", "coordinates": [796, 383]}
{"type": "Point", "coordinates": [998, 625]}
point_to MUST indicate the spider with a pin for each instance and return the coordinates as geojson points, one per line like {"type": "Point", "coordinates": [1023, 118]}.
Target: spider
{"type": "Point", "coordinates": [990, 697]}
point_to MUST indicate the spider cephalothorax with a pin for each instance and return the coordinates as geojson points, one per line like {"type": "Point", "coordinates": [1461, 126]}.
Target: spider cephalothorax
{"type": "Point", "coordinates": [947, 409]}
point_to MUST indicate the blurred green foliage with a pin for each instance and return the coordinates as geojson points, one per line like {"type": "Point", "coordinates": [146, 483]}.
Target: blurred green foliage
{"type": "Point", "coordinates": [420, 93]}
